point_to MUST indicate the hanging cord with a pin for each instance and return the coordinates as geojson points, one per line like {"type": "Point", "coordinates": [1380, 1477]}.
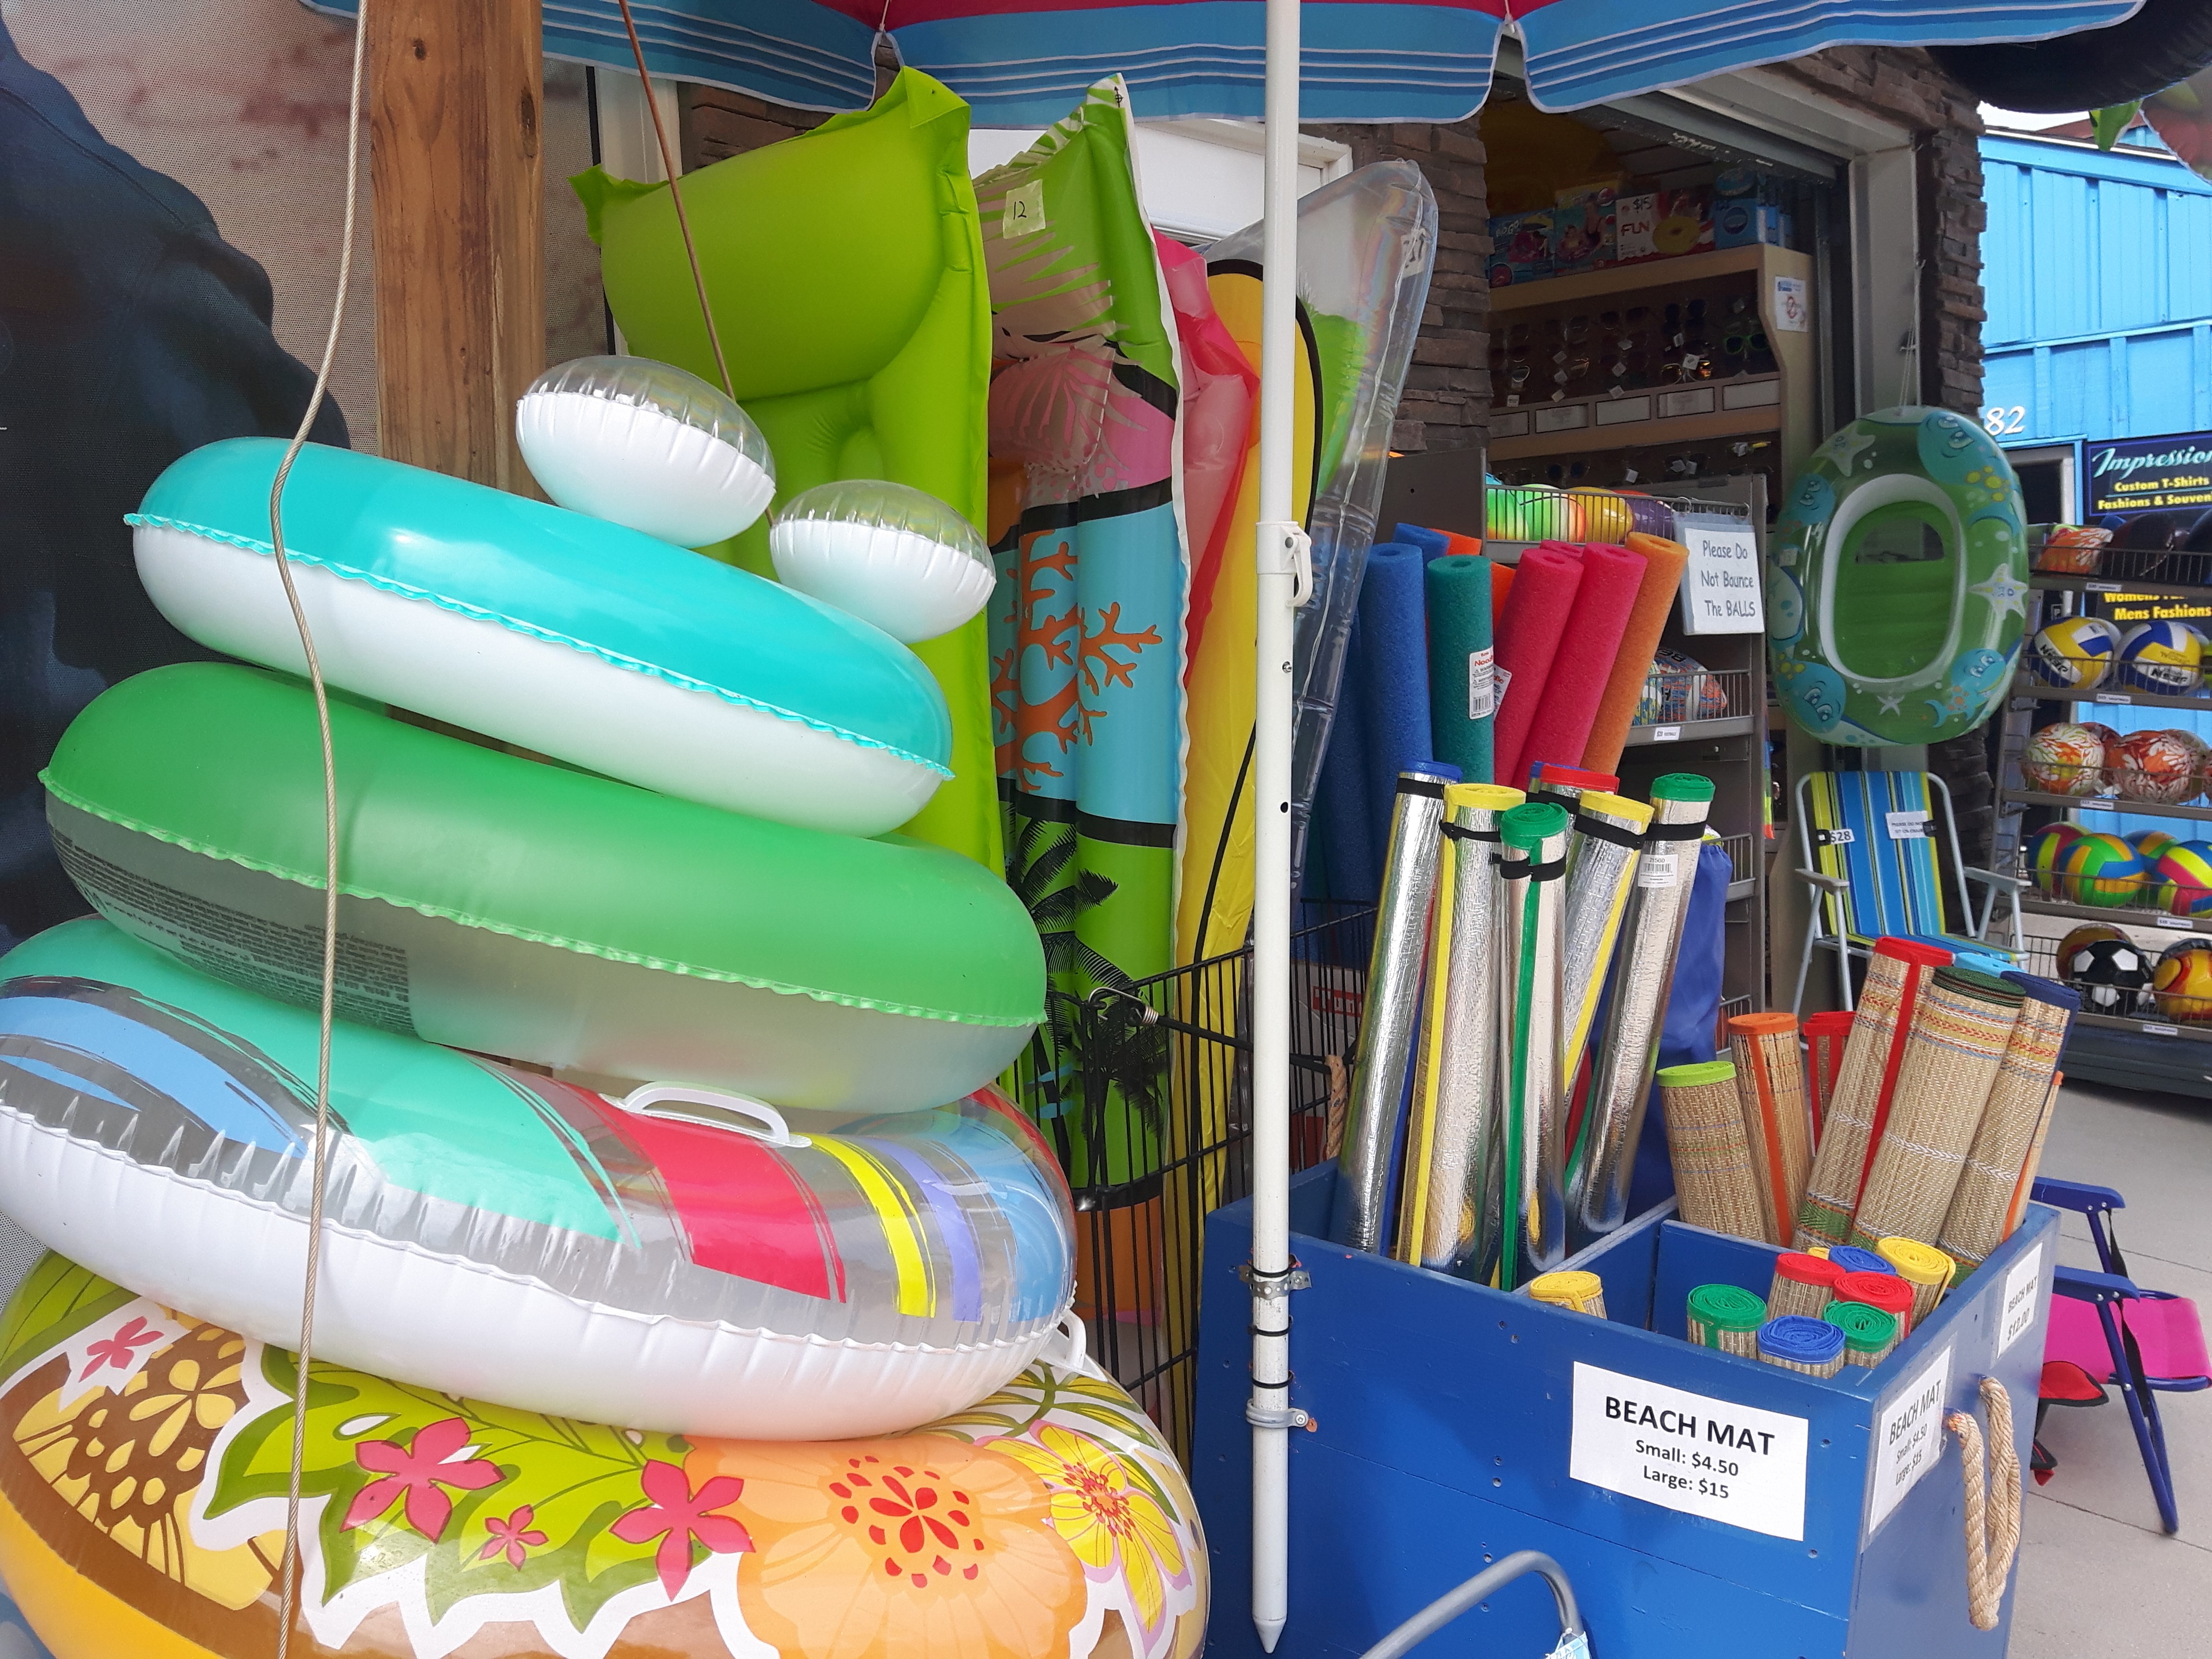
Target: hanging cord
{"type": "Point", "coordinates": [676, 196]}
{"type": "Point", "coordinates": [288, 1594]}
{"type": "Point", "coordinates": [1992, 1517]}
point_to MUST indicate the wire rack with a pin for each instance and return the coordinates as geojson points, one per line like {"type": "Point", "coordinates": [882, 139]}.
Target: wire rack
{"type": "Point", "coordinates": [1674, 697]}
{"type": "Point", "coordinates": [2121, 982]}
{"type": "Point", "coordinates": [1743, 856]}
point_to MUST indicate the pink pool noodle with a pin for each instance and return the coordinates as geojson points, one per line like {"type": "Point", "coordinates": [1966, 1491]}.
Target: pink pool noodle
{"type": "Point", "coordinates": [1582, 665]}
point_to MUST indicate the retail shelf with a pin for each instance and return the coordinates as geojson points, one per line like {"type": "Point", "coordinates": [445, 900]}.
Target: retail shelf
{"type": "Point", "coordinates": [2106, 697]}
{"type": "Point", "coordinates": [2187, 1033]}
{"type": "Point", "coordinates": [2049, 583]}
{"type": "Point", "coordinates": [1635, 434]}
{"type": "Point", "coordinates": [2038, 904]}
{"type": "Point", "coordinates": [1728, 725]}
{"type": "Point", "coordinates": [1740, 889]}
{"type": "Point", "coordinates": [1625, 279]}
{"type": "Point", "coordinates": [2010, 798]}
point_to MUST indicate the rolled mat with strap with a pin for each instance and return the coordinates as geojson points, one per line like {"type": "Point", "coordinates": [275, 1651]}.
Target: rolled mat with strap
{"type": "Point", "coordinates": [1602, 855]}
{"type": "Point", "coordinates": [1869, 1332]}
{"type": "Point", "coordinates": [1579, 1292]}
{"type": "Point", "coordinates": [1714, 1182]}
{"type": "Point", "coordinates": [1802, 1284]}
{"type": "Point", "coordinates": [1798, 1344]}
{"type": "Point", "coordinates": [2021, 1192]}
{"type": "Point", "coordinates": [1993, 1515]}
{"type": "Point", "coordinates": [1725, 1317]}
{"type": "Point", "coordinates": [1769, 1079]}
{"type": "Point", "coordinates": [1884, 1291]}
{"type": "Point", "coordinates": [1849, 1259]}
{"type": "Point", "coordinates": [1959, 1034]}
{"type": "Point", "coordinates": [1663, 563]}
{"type": "Point", "coordinates": [1975, 1221]}
{"type": "Point", "coordinates": [1534, 1207]}
{"type": "Point", "coordinates": [1922, 1266]}
{"type": "Point", "coordinates": [1825, 1037]}
{"type": "Point", "coordinates": [1896, 974]}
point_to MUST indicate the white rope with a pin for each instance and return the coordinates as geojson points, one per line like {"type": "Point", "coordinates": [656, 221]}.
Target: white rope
{"type": "Point", "coordinates": [1993, 1514]}
{"type": "Point", "coordinates": [288, 1594]}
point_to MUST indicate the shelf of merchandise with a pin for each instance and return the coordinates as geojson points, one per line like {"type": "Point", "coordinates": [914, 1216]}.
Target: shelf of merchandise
{"type": "Point", "coordinates": [2044, 582]}
{"type": "Point", "coordinates": [2107, 698]}
{"type": "Point", "coordinates": [2198, 1030]}
{"type": "Point", "coordinates": [2106, 803]}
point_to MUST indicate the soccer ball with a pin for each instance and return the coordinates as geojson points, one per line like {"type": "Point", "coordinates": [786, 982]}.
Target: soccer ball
{"type": "Point", "coordinates": [2185, 877]}
{"type": "Point", "coordinates": [2155, 766]}
{"type": "Point", "coordinates": [2106, 967]}
{"type": "Point", "coordinates": [2065, 759]}
{"type": "Point", "coordinates": [2183, 983]}
{"type": "Point", "coordinates": [2076, 652]}
{"type": "Point", "coordinates": [2101, 870]}
{"type": "Point", "coordinates": [2165, 657]}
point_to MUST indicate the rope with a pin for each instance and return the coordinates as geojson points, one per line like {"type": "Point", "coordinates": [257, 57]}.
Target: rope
{"type": "Point", "coordinates": [288, 1594]}
{"type": "Point", "coordinates": [1992, 1515]}
{"type": "Point", "coordinates": [676, 196]}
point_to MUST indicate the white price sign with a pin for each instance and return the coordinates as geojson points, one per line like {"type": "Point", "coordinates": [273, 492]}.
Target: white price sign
{"type": "Point", "coordinates": [1690, 1452]}
{"type": "Point", "coordinates": [1720, 585]}
{"type": "Point", "coordinates": [1908, 1437]}
{"type": "Point", "coordinates": [2018, 1315]}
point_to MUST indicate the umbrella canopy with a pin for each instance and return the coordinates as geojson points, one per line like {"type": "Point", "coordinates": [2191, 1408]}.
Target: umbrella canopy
{"type": "Point", "coordinates": [1026, 62]}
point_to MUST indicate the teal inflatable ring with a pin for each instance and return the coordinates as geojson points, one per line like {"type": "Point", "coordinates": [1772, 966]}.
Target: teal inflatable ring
{"type": "Point", "coordinates": [1897, 581]}
{"type": "Point", "coordinates": [537, 913]}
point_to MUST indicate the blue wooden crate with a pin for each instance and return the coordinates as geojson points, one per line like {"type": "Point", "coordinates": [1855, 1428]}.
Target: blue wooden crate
{"type": "Point", "coordinates": [1442, 1414]}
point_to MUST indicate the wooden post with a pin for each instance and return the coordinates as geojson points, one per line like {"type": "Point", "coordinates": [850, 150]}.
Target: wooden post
{"type": "Point", "coordinates": [459, 211]}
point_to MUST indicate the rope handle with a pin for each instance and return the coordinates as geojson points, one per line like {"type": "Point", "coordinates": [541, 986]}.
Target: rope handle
{"type": "Point", "coordinates": [1993, 1501]}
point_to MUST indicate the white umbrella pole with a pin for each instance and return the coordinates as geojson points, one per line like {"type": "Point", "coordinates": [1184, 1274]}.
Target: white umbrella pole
{"type": "Point", "coordinates": [1284, 582]}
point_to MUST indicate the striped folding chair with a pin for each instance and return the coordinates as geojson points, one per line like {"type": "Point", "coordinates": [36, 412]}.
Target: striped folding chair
{"type": "Point", "coordinates": [1866, 844]}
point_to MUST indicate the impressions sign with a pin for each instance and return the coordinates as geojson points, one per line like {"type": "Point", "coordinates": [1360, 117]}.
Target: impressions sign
{"type": "Point", "coordinates": [2141, 474]}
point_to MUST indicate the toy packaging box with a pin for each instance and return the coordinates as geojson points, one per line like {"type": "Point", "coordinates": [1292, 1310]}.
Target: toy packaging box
{"type": "Point", "coordinates": [1521, 248]}
{"type": "Point", "coordinates": [1660, 224]}
{"type": "Point", "coordinates": [1747, 210]}
{"type": "Point", "coordinates": [1584, 229]}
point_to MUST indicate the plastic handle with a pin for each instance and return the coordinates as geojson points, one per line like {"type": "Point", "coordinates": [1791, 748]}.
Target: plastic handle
{"type": "Point", "coordinates": [641, 1101]}
{"type": "Point", "coordinates": [1077, 1354]}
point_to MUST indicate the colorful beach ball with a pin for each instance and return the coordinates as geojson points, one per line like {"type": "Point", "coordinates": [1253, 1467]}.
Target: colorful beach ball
{"type": "Point", "coordinates": [2182, 982]}
{"type": "Point", "coordinates": [2045, 850]}
{"type": "Point", "coordinates": [2163, 657]}
{"type": "Point", "coordinates": [2150, 843]}
{"type": "Point", "coordinates": [2155, 766]}
{"type": "Point", "coordinates": [2074, 653]}
{"type": "Point", "coordinates": [2065, 759]}
{"type": "Point", "coordinates": [2105, 966]}
{"type": "Point", "coordinates": [2102, 870]}
{"type": "Point", "coordinates": [2185, 878]}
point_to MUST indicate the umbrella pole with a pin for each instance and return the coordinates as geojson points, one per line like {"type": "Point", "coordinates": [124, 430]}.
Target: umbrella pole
{"type": "Point", "coordinates": [1286, 581]}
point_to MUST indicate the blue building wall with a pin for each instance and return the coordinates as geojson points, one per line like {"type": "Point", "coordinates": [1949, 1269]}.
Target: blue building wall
{"type": "Point", "coordinates": [2098, 270]}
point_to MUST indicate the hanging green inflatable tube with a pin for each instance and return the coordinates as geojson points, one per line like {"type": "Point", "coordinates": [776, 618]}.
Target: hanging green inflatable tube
{"type": "Point", "coordinates": [1897, 581]}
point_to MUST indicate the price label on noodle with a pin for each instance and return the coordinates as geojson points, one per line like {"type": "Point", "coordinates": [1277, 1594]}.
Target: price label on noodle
{"type": "Point", "coordinates": [1481, 685]}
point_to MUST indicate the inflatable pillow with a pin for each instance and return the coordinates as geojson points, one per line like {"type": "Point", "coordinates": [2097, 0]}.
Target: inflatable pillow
{"type": "Point", "coordinates": [846, 271]}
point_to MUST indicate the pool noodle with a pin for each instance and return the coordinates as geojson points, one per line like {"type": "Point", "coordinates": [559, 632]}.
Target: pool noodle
{"type": "Point", "coordinates": [1611, 576]}
{"type": "Point", "coordinates": [1458, 594]}
{"type": "Point", "coordinates": [1501, 584]}
{"type": "Point", "coordinates": [1664, 561]}
{"type": "Point", "coordinates": [1393, 687]}
{"type": "Point", "coordinates": [1353, 867]}
{"type": "Point", "coordinates": [1528, 635]}
{"type": "Point", "coordinates": [1433, 544]}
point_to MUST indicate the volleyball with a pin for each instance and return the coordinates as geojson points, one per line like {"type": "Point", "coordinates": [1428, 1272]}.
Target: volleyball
{"type": "Point", "coordinates": [2106, 967]}
{"type": "Point", "coordinates": [2045, 850]}
{"type": "Point", "coordinates": [2101, 870]}
{"type": "Point", "coordinates": [2163, 657]}
{"type": "Point", "coordinates": [2076, 652]}
{"type": "Point", "coordinates": [2183, 983]}
{"type": "Point", "coordinates": [2149, 843]}
{"type": "Point", "coordinates": [2064, 759]}
{"type": "Point", "coordinates": [2185, 878]}
{"type": "Point", "coordinates": [2155, 766]}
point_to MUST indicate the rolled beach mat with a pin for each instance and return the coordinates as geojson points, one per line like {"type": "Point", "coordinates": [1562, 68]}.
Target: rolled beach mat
{"type": "Point", "coordinates": [1533, 998]}
{"type": "Point", "coordinates": [683, 1260]}
{"type": "Point", "coordinates": [1628, 1049]}
{"type": "Point", "coordinates": [1922, 1266]}
{"type": "Point", "coordinates": [1462, 680]}
{"type": "Point", "coordinates": [1803, 1284]}
{"type": "Point", "coordinates": [1663, 563]}
{"type": "Point", "coordinates": [1529, 633]}
{"type": "Point", "coordinates": [1577, 1292]}
{"type": "Point", "coordinates": [1896, 974]}
{"type": "Point", "coordinates": [1448, 1220]}
{"type": "Point", "coordinates": [1727, 1317]}
{"type": "Point", "coordinates": [1884, 1291]}
{"type": "Point", "coordinates": [1869, 1333]}
{"type": "Point", "coordinates": [1853, 1259]}
{"type": "Point", "coordinates": [1714, 1183]}
{"type": "Point", "coordinates": [1974, 1225]}
{"type": "Point", "coordinates": [1769, 1077]}
{"type": "Point", "coordinates": [1799, 1344]}
{"type": "Point", "coordinates": [1602, 854]}
{"type": "Point", "coordinates": [1391, 1012]}
{"type": "Point", "coordinates": [1826, 1034]}
{"type": "Point", "coordinates": [575, 638]}
{"type": "Point", "coordinates": [2022, 1192]}
{"type": "Point", "coordinates": [497, 904]}
{"type": "Point", "coordinates": [142, 1504]}
{"type": "Point", "coordinates": [1583, 667]}
{"type": "Point", "coordinates": [1959, 1034]}
{"type": "Point", "coordinates": [1565, 786]}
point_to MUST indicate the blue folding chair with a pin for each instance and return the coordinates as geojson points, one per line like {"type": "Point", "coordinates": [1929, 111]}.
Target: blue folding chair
{"type": "Point", "coordinates": [1866, 844]}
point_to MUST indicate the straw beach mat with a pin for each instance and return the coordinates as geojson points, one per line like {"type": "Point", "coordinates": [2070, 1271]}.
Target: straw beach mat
{"type": "Point", "coordinates": [1873, 1055]}
{"type": "Point", "coordinates": [1980, 1207]}
{"type": "Point", "coordinates": [1959, 1034]}
{"type": "Point", "coordinates": [1714, 1179]}
{"type": "Point", "coordinates": [1770, 1082]}
{"type": "Point", "coordinates": [1825, 1036]}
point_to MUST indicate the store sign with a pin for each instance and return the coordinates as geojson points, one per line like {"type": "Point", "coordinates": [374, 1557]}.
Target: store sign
{"type": "Point", "coordinates": [1690, 1452]}
{"type": "Point", "coordinates": [1908, 1437]}
{"type": "Point", "coordinates": [2017, 1316]}
{"type": "Point", "coordinates": [2142, 474]}
{"type": "Point", "coordinates": [1720, 584]}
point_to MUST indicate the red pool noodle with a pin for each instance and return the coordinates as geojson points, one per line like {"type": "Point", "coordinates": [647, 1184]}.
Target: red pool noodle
{"type": "Point", "coordinates": [1529, 630]}
{"type": "Point", "coordinates": [1582, 665]}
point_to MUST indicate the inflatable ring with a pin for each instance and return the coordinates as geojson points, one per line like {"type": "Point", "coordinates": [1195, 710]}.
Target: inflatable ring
{"type": "Point", "coordinates": [495, 904]}
{"type": "Point", "coordinates": [1897, 581]}
{"type": "Point", "coordinates": [681, 1262]}
{"type": "Point", "coordinates": [138, 1497]}
{"type": "Point", "coordinates": [575, 638]}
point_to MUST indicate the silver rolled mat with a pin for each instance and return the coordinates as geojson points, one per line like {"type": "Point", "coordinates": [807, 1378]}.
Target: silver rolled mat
{"type": "Point", "coordinates": [1602, 857]}
{"type": "Point", "coordinates": [1628, 1051]}
{"type": "Point", "coordinates": [1392, 1011]}
{"type": "Point", "coordinates": [1453, 1182]}
{"type": "Point", "coordinates": [1533, 878]}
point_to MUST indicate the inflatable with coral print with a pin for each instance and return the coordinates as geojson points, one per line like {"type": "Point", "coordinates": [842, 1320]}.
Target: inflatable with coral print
{"type": "Point", "coordinates": [143, 1461]}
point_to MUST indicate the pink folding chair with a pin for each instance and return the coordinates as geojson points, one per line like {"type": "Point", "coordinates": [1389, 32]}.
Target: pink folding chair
{"type": "Point", "coordinates": [2105, 1331]}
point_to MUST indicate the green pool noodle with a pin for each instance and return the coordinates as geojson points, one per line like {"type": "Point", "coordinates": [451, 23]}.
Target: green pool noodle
{"type": "Point", "coordinates": [1459, 657]}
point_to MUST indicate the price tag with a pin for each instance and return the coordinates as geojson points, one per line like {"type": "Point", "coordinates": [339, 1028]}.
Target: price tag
{"type": "Point", "coordinates": [1665, 734]}
{"type": "Point", "coordinates": [1658, 869]}
{"type": "Point", "coordinates": [2150, 1030]}
{"type": "Point", "coordinates": [2100, 587]}
{"type": "Point", "coordinates": [2019, 1311]}
{"type": "Point", "coordinates": [1909, 826]}
{"type": "Point", "coordinates": [1481, 685]}
{"type": "Point", "coordinates": [2100, 804]}
{"type": "Point", "coordinates": [1024, 212]}
{"type": "Point", "coordinates": [1731, 1463]}
{"type": "Point", "coordinates": [1501, 682]}
{"type": "Point", "coordinates": [2180, 924]}
{"type": "Point", "coordinates": [1908, 1437]}
{"type": "Point", "coordinates": [2120, 697]}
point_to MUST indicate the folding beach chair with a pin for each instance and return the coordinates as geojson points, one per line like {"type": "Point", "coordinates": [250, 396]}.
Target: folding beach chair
{"type": "Point", "coordinates": [2106, 1331]}
{"type": "Point", "coordinates": [1866, 845]}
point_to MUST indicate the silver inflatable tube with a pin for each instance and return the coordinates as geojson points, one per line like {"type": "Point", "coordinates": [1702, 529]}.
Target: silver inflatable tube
{"type": "Point", "coordinates": [1392, 1011]}
{"type": "Point", "coordinates": [1534, 1233]}
{"type": "Point", "coordinates": [1602, 857]}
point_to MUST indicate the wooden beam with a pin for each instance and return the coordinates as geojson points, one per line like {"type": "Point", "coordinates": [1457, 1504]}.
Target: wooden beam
{"type": "Point", "coordinates": [457, 184]}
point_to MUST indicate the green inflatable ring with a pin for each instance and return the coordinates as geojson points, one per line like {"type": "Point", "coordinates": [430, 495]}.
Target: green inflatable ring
{"type": "Point", "coordinates": [535, 912]}
{"type": "Point", "coordinates": [1897, 581]}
